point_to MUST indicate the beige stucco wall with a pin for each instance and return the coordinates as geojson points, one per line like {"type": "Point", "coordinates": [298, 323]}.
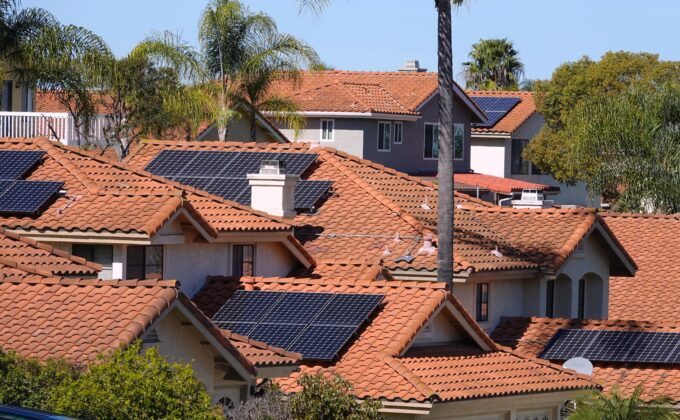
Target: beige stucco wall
{"type": "Point", "coordinates": [239, 130]}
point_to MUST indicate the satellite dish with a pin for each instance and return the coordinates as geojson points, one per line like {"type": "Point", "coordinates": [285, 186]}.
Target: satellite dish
{"type": "Point", "coordinates": [580, 365]}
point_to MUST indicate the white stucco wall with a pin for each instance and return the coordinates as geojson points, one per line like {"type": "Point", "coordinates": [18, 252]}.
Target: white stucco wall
{"type": "Point", "coordinates": [488, 156]}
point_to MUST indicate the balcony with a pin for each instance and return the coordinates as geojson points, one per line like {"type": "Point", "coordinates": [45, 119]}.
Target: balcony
{"type": "Point", "coordinates": [56, 126]}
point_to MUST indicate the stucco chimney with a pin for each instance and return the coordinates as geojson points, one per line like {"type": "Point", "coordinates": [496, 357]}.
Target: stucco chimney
{"type": "Point", "coordinates": [273, 190]}
{"type": "Point", "coordinates": [412, 66]}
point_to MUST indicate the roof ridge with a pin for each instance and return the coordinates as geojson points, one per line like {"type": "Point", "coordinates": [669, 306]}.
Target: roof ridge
{"type": "Point", "coordinates": [374, 192]}
{"type": "Point", "coordinates": [410, 376]}
{"type": "Point", "coordinates": [570, 245]}
{"type": "Point", "coordinates": [499, 92]}
{"type": "Point", "coordinates": [69, 281]}
{"type": "Point", "coordinates": [51, 149]}
{"type": "Point", "coordinates": [45, 247]}
{"type": "Point", "coordinates": [603, 322]}
{"type": "Point", "coordinates": [387, 284]}
{"type": "Point", "coordinates": [614, 214]}
{"type": "Point", "coordinates": [545, 363]}
{"type": "Point", "coordinates": [385, 91]}
{"type": "Point", "coordinates": [177, 185]}
{"type": "Point", "coordinates": [260, 344]}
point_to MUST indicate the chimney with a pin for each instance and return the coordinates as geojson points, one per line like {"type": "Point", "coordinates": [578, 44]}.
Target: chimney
{"type": "Point", "coordinates": [412, 66]}
{"type": "Point", "coordinates": [273, 190]}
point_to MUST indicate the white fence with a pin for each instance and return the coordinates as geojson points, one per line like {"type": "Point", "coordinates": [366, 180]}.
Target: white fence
{"type": "Point", "coordinates": [52, 125]}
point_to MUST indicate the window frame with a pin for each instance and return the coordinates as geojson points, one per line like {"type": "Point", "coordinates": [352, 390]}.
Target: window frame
{"type": "Point", "coordinates": [106, 268]}
{"type": "Point", "coordinates": [401, 132]}
{"type": "Point", "coordinates": [480, 315]}
{"type": "Point", "coordinates": [233, 259]}
{"type": "Point", "coordinates": [435, 124]}
{"type": "Point", "coordinates": [144, 269]}
{"type": "Point", "coordinates": [389, 137]}
{"type": "Point", "coordinates": [461, 126]}
{"type": "Point", "coordinates": [331, 131]}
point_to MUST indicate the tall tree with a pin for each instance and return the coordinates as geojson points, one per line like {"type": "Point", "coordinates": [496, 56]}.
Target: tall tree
{"type": "Point", "coordinates": [494, 65]}
{"type": "Point", "coordinates": [246, 53]}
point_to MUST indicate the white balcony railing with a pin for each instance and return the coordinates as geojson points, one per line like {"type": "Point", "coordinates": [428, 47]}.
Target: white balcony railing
{"type": "Point", "coordinates": [52, 125]}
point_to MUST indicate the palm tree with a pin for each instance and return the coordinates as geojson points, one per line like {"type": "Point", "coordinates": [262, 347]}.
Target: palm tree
{"type": "Point", "coordinates": [493, 65]}
{"type": "Point", "coordinates": [445, 216]}
{"type": "Point", "coordinates": [246, 53]}
{"type": "Point", "coordinates": [599, 406]}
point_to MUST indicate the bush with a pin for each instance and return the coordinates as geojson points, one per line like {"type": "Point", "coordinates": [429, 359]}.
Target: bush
{"type": "Point", "coordinates": [271, 404]}
{"type": "Point", "coordinates": [133, 384]}
{"type": "Point", "coordinates": [29, 383]}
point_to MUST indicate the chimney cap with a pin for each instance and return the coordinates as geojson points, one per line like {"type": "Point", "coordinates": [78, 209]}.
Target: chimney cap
{"type": "Point", "coordinates": [272, 167]}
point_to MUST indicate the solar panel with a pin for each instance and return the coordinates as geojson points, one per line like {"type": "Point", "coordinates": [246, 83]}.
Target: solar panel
{"type": "Point", "coordinates": [27, 197]}
{"type": "Point", "coordinates": [15, 163]}
{"type": "Point", "coordinates": [495, 108]}
{"type": "Point", "coordinates": [207, 163]}
{"type": "Point", "coordinates": [614, 346]}
{"type": "Point", "coordinates": [244, 163]}
{"type": "Point", "coordinates": [171, 162]}
{"type": "Point", "coordinates": [193, 181]}
{"type": "Point", "coordinates": [4, 185]}
{"type": "Point", "coordinates": [297, 163]}
{"type": "Point", "coordinates": [317, 325]}
{"type": "Point", "coordinates": [232, 189]}
{"type": "Point", "coordinates": [308, 193]}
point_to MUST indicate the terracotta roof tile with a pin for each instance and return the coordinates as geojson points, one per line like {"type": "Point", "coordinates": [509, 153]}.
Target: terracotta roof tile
{"type": "Point", "coordinates": [471, 181]}
{"type": "Point", "coordinates": [654, 291]}
{"type": "Point", "coordinates": [372, 363]}
{"type": "Point", "coordinates": [513, 119]}
{"type": "Point", "coordinates": [261, 354]}
{"type": "Point", "coordinates": [531, 335]}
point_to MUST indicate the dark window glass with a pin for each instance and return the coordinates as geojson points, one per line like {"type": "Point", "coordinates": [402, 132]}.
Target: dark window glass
{"type": "Point", "coordinates": [582, 298]}
{"type": "Point", "coordinates": [550, 299]}
{"type": "Point", "coordinates": [482, 302]}
{"type": "Point", "coordinates": [458, 140]}
{"type": "Point", "coordinates": [327, 129]}
{"type": "Point", "coordinates": [144, 262]}
{"type": "Point", "coordinates": [398, 132]}
{"type": "Point", "coordinates": [431, 141]}
{"type": "Point", "coordinates": [384, 136]}
{"type": "Point", "coordinates": [100, 254]}
{"type": "Point", "coordinates": [244, 260]}
{"type": "Point", "coordinates": [6, 96]}
{"type": "Point", "coordinates": [519, 165]}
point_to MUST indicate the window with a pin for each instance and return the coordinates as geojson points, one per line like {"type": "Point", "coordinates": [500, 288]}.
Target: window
{"type": "Point", "coordinates": [100, 254]}
{"type": "Point", "coordinates": [431, 141]}
{"type": "Point", "coordinates": [384, 136]}
{"type": "Point", "coordinates": [550, 299]}
{"type": "Point", "coordinates": [519, 165]}
{"type": "Point", "coordinates": [482, 302]}
{"type": "Point", "coordinates": [458, 141]}
{"type": "Point", "coordinates": [398, 132]}
{"type": "Point", "coordinates": [244, 260]}
{"type": "Point", "coordinates": [581, 299]}
{"type": "Point", "coordinates": [327, 130]}
{"type": "Point", "coordinates": [144, 262]}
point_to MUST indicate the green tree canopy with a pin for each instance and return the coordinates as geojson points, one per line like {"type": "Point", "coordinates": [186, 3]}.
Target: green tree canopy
{"type": "Point", "coordinates": [614, 406]}
{"type": "Point", "coordinates": [572, 83]}
{"type": "Point", "coordinates": [494, 65]}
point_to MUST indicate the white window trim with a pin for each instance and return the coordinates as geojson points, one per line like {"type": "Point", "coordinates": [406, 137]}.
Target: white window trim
{"type": "Point", "coordinates": [332, 121]}
{"type": "Point", "coordinates": [377, 143]}
{"type": "Point", "coordinates": [394, 135]}
{"type": "Point", "coordinates": [454, 141]}
{"type": "Point", "coordinates": [424, 134]}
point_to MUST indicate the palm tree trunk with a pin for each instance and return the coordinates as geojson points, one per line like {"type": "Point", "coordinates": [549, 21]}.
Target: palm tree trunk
{"type": "Point", "coordinates": [253, 125]}
{"type": "Point", "coordinates": [445, 166]}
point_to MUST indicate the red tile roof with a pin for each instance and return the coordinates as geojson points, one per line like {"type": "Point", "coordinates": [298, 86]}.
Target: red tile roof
{"type": "Point", "coordinates": [497, 184]}
{"type": "Point", "coordinates": [653, 293]}
{"type": "Point", "coordinates": [531, 335]}
{"type": "Point", "coordinates": [261, 354]}
{"type": "Point", "coordinates": [373, 362]}
{"type": "Point", "coordinates": [25, 257]}
{"type": "Point", "coordinates": [105, 195]}
{"type": "Point", "coordinates": [513, 119]}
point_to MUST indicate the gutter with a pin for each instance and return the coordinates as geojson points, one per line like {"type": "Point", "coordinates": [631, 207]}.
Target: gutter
{"type": "Point", "coordinates": [400, 407]}
{"type": "Point", "coordinates": [369, 115]}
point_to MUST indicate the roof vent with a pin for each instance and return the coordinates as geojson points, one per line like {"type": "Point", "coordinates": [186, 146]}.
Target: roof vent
{"type": "Point", "coordinates": [532, 199]}
{"type": "Point", "coordinates": [413, 66]}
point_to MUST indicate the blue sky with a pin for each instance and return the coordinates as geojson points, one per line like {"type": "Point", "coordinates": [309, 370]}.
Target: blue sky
{"type": "Point", "coordinates": [382, 34]}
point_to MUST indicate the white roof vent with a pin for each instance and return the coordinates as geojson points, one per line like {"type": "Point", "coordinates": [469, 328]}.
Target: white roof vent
{"type": "Point", "coordinates": [531, 199]}
{"type": "Point", "coordinates": [412, 66]}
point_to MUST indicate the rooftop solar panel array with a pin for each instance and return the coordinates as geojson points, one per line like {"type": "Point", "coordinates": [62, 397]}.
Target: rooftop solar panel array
{"type": "Point", "coordinates": [224, 173]}
{"type": "Point", "coordinates": [615, 346]}
{"type": "Point", "coordinates": [317, 325]}
{"type": "Point", "coordinates": [18, 196]}
{"type": "Point", "coordinates": [495, 108]}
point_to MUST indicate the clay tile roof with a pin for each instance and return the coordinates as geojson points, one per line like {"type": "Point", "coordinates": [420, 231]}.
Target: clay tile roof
{"type": "Point", "coordinates": [654, 291]}
{"type": "Point", "coordinates": [470, 182]}
{"type": "Point", "coordinates": [261, 354]}
{"type": "Point", "coordinates": [25, 257]}
{"type": "Point", "coordinates": [106, 195]}
{"type": "Point", "coordinates": [513, 119]}
{"type": "Point", "coordinates": [77, 319]}
{"type": "Point", "coordinates": [372, 363]}
{"type": "Point", "coordinates": [531, 335]}
{"type": "Point", "coordinates": [355, 91]}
